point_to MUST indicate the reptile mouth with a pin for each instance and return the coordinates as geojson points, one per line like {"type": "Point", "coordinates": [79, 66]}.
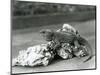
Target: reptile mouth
{"type": "Point", "coordinates": [48, 40]}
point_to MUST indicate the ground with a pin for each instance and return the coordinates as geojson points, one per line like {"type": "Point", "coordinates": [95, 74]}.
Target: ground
{"type": "Point", "coordinates": [24, 38]}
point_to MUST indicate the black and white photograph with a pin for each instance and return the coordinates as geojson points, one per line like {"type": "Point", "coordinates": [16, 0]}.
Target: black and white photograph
{"type": "Point", "coordinates": [52, 37]}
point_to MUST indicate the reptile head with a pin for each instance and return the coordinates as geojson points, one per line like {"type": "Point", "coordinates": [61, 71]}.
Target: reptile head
{"type": "Point", "coordinates": [47, 34]}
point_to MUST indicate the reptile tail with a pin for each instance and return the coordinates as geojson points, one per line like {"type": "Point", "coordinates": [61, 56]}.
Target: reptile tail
{"type": "Point", "coordinates": [84, 42]}
{"type": "Point", "coordinates": [90, 57]}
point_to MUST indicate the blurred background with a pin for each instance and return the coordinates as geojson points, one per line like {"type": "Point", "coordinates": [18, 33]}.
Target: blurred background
{"type": "Point", "coordinates": [28, 18]}
{"type": "Point", "coordinates": [29, 14]}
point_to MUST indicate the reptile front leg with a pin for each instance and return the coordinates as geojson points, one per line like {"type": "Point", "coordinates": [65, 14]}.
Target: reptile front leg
{"type": "Point", "coordinates": [57, 45]}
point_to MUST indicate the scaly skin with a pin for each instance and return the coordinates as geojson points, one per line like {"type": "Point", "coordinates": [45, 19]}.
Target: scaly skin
{"type": "Point", "coordinates": [60, 37]}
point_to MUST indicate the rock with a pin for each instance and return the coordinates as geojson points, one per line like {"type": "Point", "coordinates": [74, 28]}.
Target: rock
{"type": "Point", "coordinates": [65, 52]}
{"type": "Point", "coordinates": [80, 52]}
{"type": "Point", "coordinates": [36, 55]}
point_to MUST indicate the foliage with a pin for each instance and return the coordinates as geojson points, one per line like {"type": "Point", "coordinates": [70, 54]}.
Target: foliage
{"type": "Point", "coordinates": [22, 8]}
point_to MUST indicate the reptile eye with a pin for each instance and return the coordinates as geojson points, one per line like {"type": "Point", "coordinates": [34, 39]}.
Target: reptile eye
{"type": "Point", "coordinates": [42, 32]}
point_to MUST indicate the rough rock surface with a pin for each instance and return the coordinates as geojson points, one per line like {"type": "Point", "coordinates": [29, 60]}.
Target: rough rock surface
{"type": "Point", "coordinates": [43, 54]}
{"type": "Point", "coordinates": [36, 55]}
